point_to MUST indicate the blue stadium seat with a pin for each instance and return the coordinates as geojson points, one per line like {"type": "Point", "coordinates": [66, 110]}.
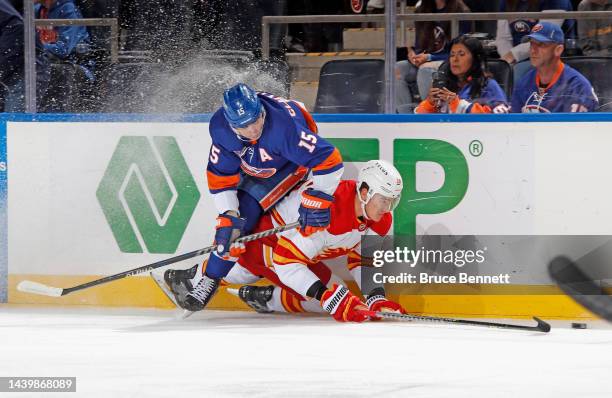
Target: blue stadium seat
{"type": "Point", "coordinates": [351, 86]}
{"type": "Point", "coordinates": [502, 73]}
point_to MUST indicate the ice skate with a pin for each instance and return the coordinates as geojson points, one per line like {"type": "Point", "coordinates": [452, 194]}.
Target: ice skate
{"type": "Point", "coordinates": [188, 289]}
{"type": "Point", "coordinates": [256, 297]}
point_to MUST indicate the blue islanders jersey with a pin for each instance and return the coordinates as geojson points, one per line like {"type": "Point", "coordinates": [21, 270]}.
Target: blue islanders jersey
{"type": "Point", "coordinates": [492, 98]}
{"type": "Point", "coordinates": [568, 91]}
{"type": "Point", "coordinates": [289, 137]}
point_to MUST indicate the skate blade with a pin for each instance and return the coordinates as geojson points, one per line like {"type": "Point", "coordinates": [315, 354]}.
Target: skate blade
{"type": "Point", "coordinates": [159, 280]}
{"type": "Point", "coordinates": [232, 291]}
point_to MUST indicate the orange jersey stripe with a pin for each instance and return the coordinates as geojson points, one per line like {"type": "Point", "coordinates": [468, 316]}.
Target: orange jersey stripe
{"type": "Point", "coordinates": [425, 107]}
{"type": "Point", "coordinates": [287, 249]}
{"type": "Point", "coordinates": [290, 301]}
{"type": "Point", "coordinates": [277, 217]}
{"type": "Point", "coordinates": [354, 260]}
{"type": "Point", "coordinates": [478, 108]}
{"type": "Point", "coordinates": [284, 301]}
{"type": "Point", "coordinates": [332, 160]}
{"type": "Point", "coordinates": [293, 302]}
{"type": "Point", "coordinates": [283, 187]}
{"type": "Point", "coordinates": [216, 182]}
{"type": "Point", "coordinates": [556, 76]}
{"type": "Point", "coordinates": [282, 260]}
{"type": "Point", "coordinates": [298, 304]}
{"type": "Point", "coordinates": [310, 123]}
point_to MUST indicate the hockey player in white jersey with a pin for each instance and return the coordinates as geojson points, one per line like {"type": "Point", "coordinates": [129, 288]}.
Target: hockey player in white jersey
{"type": "Point", "coordinates": [294, 262]}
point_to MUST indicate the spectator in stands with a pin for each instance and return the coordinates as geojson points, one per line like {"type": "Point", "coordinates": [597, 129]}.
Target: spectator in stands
{"type": "Point", "coordinates": [510, 33]}
{"type": "Point", "coordinates": [12, 61]}
{"type": "Point", "coordinates": [551, 86]}
{"type": "Point", "coordinates": [595, 35]}
{"type": "Point", "coordinates": [66, 43]}
{"type": "Point", "coordinates": [462, 84]}
{"type": "Point", "coordinates": [431, 49]}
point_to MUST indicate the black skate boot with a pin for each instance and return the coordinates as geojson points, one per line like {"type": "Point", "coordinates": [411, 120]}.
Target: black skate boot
{"type": "Point", "coordinates": [256, 297]}
{"type": "Point", "coordinates": [190, 297]}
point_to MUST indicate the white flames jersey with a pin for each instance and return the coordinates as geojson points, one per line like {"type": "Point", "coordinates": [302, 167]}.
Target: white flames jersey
{"type": "Point", "coordinates": [342, 237]}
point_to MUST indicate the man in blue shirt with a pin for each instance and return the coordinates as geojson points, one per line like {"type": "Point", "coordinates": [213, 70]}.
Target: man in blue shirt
{"type": "Point", "coordinates": [551, 86]}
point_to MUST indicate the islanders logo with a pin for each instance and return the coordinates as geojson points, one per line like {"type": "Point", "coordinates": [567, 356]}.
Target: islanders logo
{"type": "Point", "coordinates": [521, 27]}
{"type": "Point", "coordinates": [257, 172]}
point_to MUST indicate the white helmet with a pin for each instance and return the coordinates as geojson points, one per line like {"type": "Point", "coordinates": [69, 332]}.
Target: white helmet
{"type": "Point", "coordinates": [381, 177]}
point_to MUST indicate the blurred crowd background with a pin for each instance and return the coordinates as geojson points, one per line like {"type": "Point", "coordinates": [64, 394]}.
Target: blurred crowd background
{"type": "Point", "coordinates": [177, 56]}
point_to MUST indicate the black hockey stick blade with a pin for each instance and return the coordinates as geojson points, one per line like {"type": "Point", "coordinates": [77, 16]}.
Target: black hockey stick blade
{"type": "Point", "coordinates": [580, 287]}
{"type": "Point", "coordinates": [45, 290]}
{"type": "Point", "coordinates": [541, 326]}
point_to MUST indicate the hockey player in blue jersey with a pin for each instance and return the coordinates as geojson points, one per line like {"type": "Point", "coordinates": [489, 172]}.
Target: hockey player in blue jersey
{"type": "Point", "coordinates": [263, 146]}
{"type": "Point", "coordinates": [551, 86]}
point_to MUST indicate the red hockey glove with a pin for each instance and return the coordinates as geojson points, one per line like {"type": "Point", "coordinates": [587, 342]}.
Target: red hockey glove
{"type": "Point", "coordinates": [380, 303]}
{"type": "Point", "coordinates": [343, 305]}
{"type": "Point", "coordinates": [314, 211]}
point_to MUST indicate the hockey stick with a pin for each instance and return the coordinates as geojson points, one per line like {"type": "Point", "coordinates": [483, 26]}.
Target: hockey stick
{"type": "Point", "coordinates": [580, 287]}
{"type": "Point", "coordinates": [39, 288]}
{"type": "Point", "coordinates": [540, 327]}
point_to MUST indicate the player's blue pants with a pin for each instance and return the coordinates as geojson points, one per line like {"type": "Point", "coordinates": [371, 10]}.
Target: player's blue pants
{"type": "Point", "coordinates": [255, 196]}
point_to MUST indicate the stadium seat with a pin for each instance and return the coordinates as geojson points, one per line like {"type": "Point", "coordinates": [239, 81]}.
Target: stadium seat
{"type": "Point", "coordinates": [502, 73]}
{"type": "Point", "coordinates": [351, 86]}
{"type": "Point", "coordinates": [597, 71]}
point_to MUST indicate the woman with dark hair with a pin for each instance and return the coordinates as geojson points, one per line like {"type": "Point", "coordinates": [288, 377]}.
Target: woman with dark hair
{"type": "Point", "coordinates": [431, 46]}
{"type": "Point", "coordinates": [462, 84]}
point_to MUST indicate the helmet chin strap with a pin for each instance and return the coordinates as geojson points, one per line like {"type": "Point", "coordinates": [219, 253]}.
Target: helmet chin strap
{"type": "Point", "coordinates": [363, 204]}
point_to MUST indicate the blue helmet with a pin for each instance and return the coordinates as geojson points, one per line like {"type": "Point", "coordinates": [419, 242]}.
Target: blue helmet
{"type": "Point", "coordinates": [241, 106]}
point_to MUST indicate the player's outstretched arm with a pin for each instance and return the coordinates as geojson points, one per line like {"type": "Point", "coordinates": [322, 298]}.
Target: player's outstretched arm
{"type": "Point", "coordinates": [376, 299]}
{"type": "Point", "coordinates": [378, 302]}
{"type": "Point", "coordinates": [343, 305]}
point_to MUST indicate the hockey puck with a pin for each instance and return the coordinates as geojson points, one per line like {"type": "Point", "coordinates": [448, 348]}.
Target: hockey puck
{"type": "Point", "coordinates": [578, 325]}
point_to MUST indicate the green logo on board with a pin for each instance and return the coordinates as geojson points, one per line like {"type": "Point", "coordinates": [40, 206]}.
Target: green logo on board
{"type": "Point", "coordinates": [147, 194]}
{"type": "Point", "coordinates": [406, 154]}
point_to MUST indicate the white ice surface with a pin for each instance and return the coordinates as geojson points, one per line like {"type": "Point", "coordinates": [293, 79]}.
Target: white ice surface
{"type": "Point", "coordinates": [147, 353]}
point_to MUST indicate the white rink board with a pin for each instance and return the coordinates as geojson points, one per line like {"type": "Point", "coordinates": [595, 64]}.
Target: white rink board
{"type": "Point", "coordinates": [532, 178]}
{"type": "Point", "coordinates": [56, 225]}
